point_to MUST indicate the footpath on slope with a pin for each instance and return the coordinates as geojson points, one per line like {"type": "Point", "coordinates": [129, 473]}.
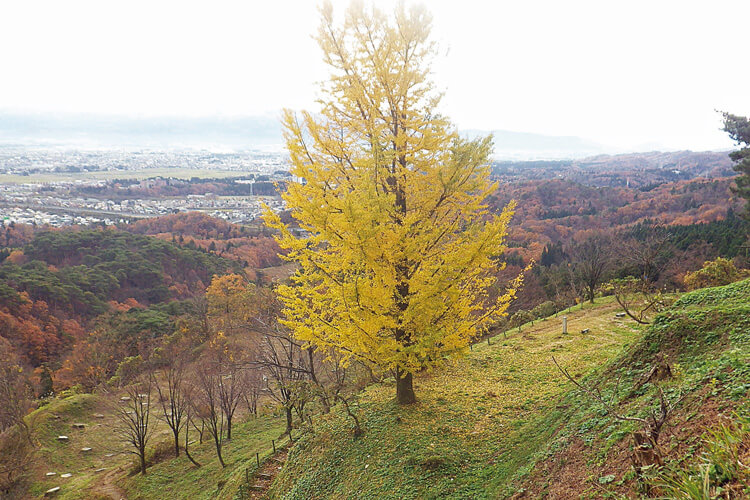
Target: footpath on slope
{"type": "Point", "coordinates": [262, 479]}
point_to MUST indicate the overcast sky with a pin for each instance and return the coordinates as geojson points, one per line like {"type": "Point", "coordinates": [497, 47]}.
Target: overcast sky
{"type": "Point", "coordinates": [628, 74]}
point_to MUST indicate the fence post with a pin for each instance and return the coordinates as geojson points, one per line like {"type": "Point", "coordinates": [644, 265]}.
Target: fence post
{"type": "Point", "coordinates": [257, 458]}
{"type": "Point", "coordinates": [274, 445]}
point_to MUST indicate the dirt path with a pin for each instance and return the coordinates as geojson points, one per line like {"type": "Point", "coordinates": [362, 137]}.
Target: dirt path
{"type": "Point", "coordinates": [106, 485]}
{"type": "Point", "coordinates": [262, 479]}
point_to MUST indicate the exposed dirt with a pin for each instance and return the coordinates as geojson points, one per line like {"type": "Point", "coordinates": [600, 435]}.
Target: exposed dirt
{"type": "Point", "coordinates": [262, 479]}
{"type": "Point", "coordinates": [575, 468]}
{"type": "Point", "coordinates": [106, 485]}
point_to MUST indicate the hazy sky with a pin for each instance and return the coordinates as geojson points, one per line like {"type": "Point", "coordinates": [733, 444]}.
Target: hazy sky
{"type": "Point", "coordinates": [640, 74]}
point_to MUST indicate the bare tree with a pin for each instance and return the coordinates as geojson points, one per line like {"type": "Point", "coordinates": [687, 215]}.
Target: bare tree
{"type": "Point", "coordinates": [252, 389]}
{"type": "Point", "coordinates": [17, 454]}
{"type": "Point", "coordinates": [134, 418]}
{"type": "Point", "coordinates": [231, 389]}
{"type": "Point", "coordinates": [638, 298]}
{"type": "Point", "coordinates": [592, 261]}
{"type": "Point", "coordinates": [338, 378]}
{"type": "Point", "coordinates": [15, 395]}
{"type": "Point", "coordinates": [285, 365]}
{"type": "Point", "coordinates": [207, 406]}
{"type": "Point", "coordinates": [16, 443]}
{"type": "Point", "coordinates": [170, 387]}
{"type": "Point", "coordinates": [188, 393]}
{"type": "Point", "coordinates": [646, 441]}
{"type": "Point", "coordinates": [649, 255]}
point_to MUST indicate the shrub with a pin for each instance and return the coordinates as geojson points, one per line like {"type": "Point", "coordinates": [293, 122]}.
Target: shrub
{"type": "Point", "coordinates": [544, 310]}
{"type": "Point", "coordinates": [520, 317]}
{"type": "Point", "coordinates": [714, 273]}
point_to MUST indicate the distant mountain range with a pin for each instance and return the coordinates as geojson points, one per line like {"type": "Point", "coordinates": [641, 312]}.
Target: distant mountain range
{"type": "Point", "coordinates": [235, 133]}
{"type": "Point", "coordinates": [82, 130]}
{"type": "Point", "coordinates": [528, 146]}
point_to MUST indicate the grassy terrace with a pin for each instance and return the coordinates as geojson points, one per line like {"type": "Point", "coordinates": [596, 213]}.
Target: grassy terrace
{"type": "Point", "coordinates": [170, 478]}
{"type": "Point", "coordinates": [473, 429]}
{"type": "Point", "coordinates": [181, 479]}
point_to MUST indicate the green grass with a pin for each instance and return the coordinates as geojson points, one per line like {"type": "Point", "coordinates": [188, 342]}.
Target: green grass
{"type": "Point", "coordinates": [499, 420]}
{"type": "Point", "coordinates": [56, 419]}
{"type": "Point", "coordinates": [172, 478]}
{"type": "Point", "coordinates": [473, 427]}
{"type": "Point", "coordinates": [503, 419]}
{"type": "Point", "coordinates": [178, 478]}
{"type": "Point", "coordinates": [705, 337]}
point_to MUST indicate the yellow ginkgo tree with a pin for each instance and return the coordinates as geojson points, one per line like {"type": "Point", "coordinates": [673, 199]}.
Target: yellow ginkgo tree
{"type": "Point", "coordinates": [397, 249]}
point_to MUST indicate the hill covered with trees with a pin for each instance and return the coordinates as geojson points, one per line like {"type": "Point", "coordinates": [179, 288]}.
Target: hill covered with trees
{"type": "Point", "coordinates": [63, 283]}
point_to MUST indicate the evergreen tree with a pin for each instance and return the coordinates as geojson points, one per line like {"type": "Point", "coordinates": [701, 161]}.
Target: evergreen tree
{"type": "Point", "coordinates": [738, 128]}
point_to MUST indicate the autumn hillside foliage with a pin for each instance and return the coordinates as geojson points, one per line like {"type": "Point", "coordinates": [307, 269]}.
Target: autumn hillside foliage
{"type": "Point", "coordinates": [253, 248]}
{"type": "Point", "coordinates": [65, 289]}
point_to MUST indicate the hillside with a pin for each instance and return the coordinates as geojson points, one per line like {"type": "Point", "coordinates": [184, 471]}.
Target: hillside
{"type": "Point", "coordinates": [473, 427]}
{"type": "Point", "coordinates": [105, 470]}
{"type": "Point", "coordinates": [68, 290]}
{"type": "Point", "coordinates": [503, 421]}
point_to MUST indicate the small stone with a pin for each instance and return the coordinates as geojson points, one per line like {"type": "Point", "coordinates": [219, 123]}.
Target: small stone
{"type": "Point", "coordinates": [101, 470]}
{"type": "Point", "coordinates": [125, 399]}
{"type": "Point", "coordinates": [85, 450]}
{"type": "Point", "coordinates": [50, 474]}
{"type": "Point", "coordinates": [51, 491]}
{"type": "Point", "coordinates": [108, 455]}
{"type": "Point", "coordinates": [62, 438]}
{"type": "Point", "coordinates": [79, 426]}
{"type": "Point", "coordinates": [98, 415]}
{"type": "Point", "coordinates": [66, 475]}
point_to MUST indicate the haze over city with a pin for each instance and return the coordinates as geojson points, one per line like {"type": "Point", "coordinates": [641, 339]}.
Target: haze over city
{"type": "Point", "coordinates": [639, 76]}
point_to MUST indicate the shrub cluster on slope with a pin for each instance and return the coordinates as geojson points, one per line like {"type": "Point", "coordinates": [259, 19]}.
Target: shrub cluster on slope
{"type": "Point", "coordinates": [704, 339]}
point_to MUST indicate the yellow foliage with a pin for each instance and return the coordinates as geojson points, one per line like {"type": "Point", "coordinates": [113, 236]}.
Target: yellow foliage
{"type": "Point", "coordinates": [232, 303]}
{"type": "Point", "coordinates": [399, 249]}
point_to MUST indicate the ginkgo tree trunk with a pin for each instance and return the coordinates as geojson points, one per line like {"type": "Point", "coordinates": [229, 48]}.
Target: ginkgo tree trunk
{"type": "Point", "coordinates": [398, 249]}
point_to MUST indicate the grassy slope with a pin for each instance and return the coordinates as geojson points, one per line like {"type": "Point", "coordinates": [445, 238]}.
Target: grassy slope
{"type": "Point", "coordinates": [705, 337]}
{"type": "Point", "coordinates": [168, 479]}
{"type": "Point", "coordinates": [503, 422]}
{"type": "Point", "coordinates": [178, 478]}
{"type": "Point", "coordinates": [500, 421]}
{"type": "Point", "coordinates": [474, 425]}
{"type": "Point", "coordinates": [54, 420]}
